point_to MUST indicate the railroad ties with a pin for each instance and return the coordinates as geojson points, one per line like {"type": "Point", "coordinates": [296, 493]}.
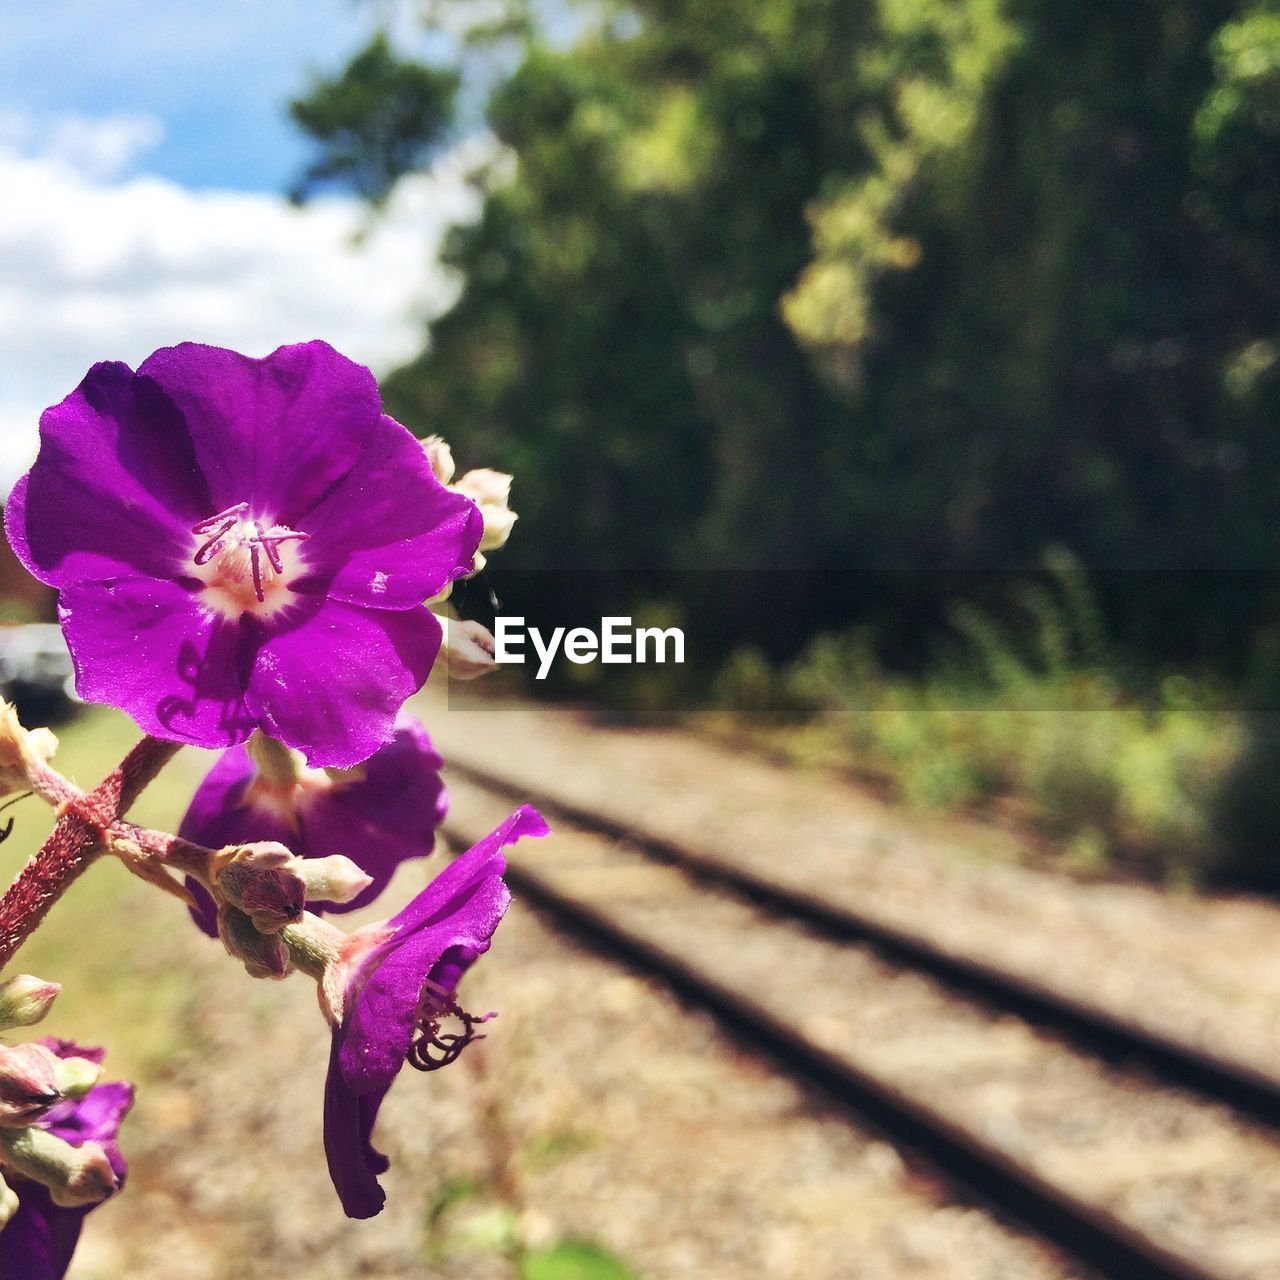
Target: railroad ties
{"type": "Point", "coordinates": [1140, 1156]}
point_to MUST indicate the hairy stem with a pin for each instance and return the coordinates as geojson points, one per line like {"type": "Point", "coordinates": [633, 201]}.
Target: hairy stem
{"type": "Point", "coordinates": [75, 841]}
{"type": "Point", "coordinates": [173, 851]}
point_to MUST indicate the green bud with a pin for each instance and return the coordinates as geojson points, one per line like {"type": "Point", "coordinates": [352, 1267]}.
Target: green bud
{"type": "Point", "coordinates": [24, 1000]}
{"type": "Point", "coordinates": [76, 1076]}
{"type": "Point", "coordinates": [331, 879]}
{"type": "Point", "coordinates": [75, 1176]}
{"type": "Point", "coordinates": [8, 1202]}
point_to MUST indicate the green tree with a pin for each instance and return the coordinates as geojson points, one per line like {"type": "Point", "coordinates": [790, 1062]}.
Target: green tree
{"type": "Point", "coordinates": [821, 283]}
{"type": "Point", "coordinates": [382, 118]}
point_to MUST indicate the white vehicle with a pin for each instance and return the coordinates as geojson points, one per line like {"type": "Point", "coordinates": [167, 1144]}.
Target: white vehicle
{"type": "Point", "coordinates": [35, 665]}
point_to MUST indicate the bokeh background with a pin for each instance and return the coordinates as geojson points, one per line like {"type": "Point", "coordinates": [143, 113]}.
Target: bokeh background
{"type": "Point", "coordinates": [920, 357]}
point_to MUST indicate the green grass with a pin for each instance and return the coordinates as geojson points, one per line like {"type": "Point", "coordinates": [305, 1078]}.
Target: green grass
{"type": "Point", "coordinates": [1028, 719]}
{"type": "Point", "coordinates": [110, 939]}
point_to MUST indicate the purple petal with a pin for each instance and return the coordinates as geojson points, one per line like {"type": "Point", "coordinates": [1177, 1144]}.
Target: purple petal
{"type": "Point", "coordinates": [95, 1118]}
{"type": "Point", "coordinates": [69, 1049]}
{"type": "Point", "coordinates": [331, 685]}
{"type": "Point", "coordinates": [38, 1241]}
{"type": "Point", "coordinates": [460, 908]}
{"type": "Point", "coordinates": [114, 489]}
{"type": "Point", "coordinates": [218, 816]}
{"type": "Point", "coordinates": [382, 820]}
{"type": "Point", "coordinates": [354, 1164]}
{"type": "Point", "coordinates": [378, 820]}
{"type": "Point", "coordinates": [391, 535]}
{"type": "Point", "coordinates": [483, 858]}
{"type": "Point", "coordinates": [153, 649]}
{"type": "Point", "coordinates": [275, 433]}
{"type": "Point", "coordinates": [203, 910]}
{"type": "Point", "coordinates": [219, 813]}
{"type": "Point", "coordinates": [379, 1026]}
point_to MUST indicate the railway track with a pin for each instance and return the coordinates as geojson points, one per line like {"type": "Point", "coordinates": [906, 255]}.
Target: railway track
{"type": "Point", "coordinates": [1141, 1156]}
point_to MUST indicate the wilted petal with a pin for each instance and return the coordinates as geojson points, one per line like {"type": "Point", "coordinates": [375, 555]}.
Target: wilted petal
{"type": "Point", "coordinates": [433, 941]}
{"type": "Point", "coordinates": [354, 1162]}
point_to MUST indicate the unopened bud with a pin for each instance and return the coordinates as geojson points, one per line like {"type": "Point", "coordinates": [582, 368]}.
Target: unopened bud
{"type": "Point", "coordinates": [28, 1083]}
{"type": "Point", "coordinates": [440, 456]}
{"type": "Point", "coordinates": [261, 880]}
{"type": "Point", "coordinates": [8, 1202]}
{"type": "Point", "coordinates": [314, 945]}
{"type": "Point", "coordinates": [490, 490]}
{"type": "Point", "coordinates": [20, 750]}
{"type": "Point", "coordinates": [467, 649]}
{"type": "Point", "coordinates": [332, 879]}
{"type": "Point", "coordinates": [264, 955]}
{"type": "Point", "coordinates": [24, 1000]}
{"type": "Point", "coordinates": [76, 1076]}
{"type": "Point", "coordinates": [75, 1176]}
{"type": "Point", "coordinates": [282, 767]}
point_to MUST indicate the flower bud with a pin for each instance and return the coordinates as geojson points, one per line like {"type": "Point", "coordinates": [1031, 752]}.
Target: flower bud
{"type": "Point", "coordinates": [8, 1202]}
{"type": "Point", "coordinates": [490, 491]}
{"type": "Point", "coordinates": [332, 879]}
{"type": "Point", "coordinates": [278, 765]}
{"type": "Point", "coordinates": [28, 1083]}
{"type": "Point", "coordinates": [263, 882]}
{"type": "Point", "coordinates": [315, 946]}
{"type": "Point", "coordinates": [440, 456]}
{"type": "Point", "coordinates": [24, 1000]}
{"type": "Point", "coordinates": [76, 1076]}
{"type": "Point", "coordinates": [264, 954]}
{"type": "Point", "coordinates": [75, 1176]}
{"type": "Point", "coordinates": [467, 649]}
{"type": "Point", "coordinates": [20, 750]}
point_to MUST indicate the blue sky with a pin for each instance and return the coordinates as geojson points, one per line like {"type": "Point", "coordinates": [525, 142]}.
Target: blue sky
{"type": "Point", "coordinates": [144, 150]}
{"type": "Point", "coordinates": [216, 73]}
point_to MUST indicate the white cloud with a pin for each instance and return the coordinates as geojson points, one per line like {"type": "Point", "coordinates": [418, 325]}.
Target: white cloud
{"type": "Point", "coordinates": [94, 266]}
{"type": "Point", "coordinates": [99, 148]}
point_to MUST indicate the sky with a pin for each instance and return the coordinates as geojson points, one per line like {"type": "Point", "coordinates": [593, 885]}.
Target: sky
{"type": "Point", "coordinates": [144, 146]}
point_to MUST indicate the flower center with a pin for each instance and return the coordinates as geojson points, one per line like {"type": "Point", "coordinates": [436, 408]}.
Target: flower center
{"type": "Point", "coordinates": [242, 561]}
{"type": "Point", "coordinates": [432, 1048]}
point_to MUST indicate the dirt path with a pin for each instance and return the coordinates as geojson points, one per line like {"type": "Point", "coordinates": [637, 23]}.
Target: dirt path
{"type": "Point", "coordinates": [1206, 968]}
{"type": "Point", "coordinates": [597, 1109]}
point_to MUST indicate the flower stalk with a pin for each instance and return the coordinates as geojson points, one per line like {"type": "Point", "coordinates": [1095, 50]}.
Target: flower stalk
{"type": "Point", "coordinates": [75, 841]}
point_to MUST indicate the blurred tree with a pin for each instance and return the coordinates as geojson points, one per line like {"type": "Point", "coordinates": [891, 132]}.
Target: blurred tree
{"type": "Point", "coordinates": [928, 283]}
{"type": "Point", "coordinates": [382, 118]}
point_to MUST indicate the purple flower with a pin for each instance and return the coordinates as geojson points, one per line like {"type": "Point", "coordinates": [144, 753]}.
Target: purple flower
{"type": "Point", "coordinates": [387, 810]}
{"type": "Point", "coordinates": [399, 987]}
{"type": "Point", "coordinates": [242, 544]}
{"type": "Point", "coordinates": [38, 1241]}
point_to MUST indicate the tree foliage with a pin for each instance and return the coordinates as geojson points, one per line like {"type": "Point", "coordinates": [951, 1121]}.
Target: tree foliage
{"type": "Point", "coordinates": [923, 283]}
{"type": "Point", "coordinates": [380, 119]}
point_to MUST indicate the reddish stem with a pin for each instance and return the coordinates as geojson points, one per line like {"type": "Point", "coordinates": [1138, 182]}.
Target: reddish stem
{"type": "Point", "coordinates": [173, 851]}
{"type": "Point", "coordinates": [75, 841]}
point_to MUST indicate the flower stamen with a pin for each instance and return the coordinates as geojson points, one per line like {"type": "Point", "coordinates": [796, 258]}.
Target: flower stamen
{"type": "Point", "coordinates": [235, 545]}
{"type": "Point", "coordinates": [217, 527]}
{"type": "Point", "coordinates": [436, 1004]}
